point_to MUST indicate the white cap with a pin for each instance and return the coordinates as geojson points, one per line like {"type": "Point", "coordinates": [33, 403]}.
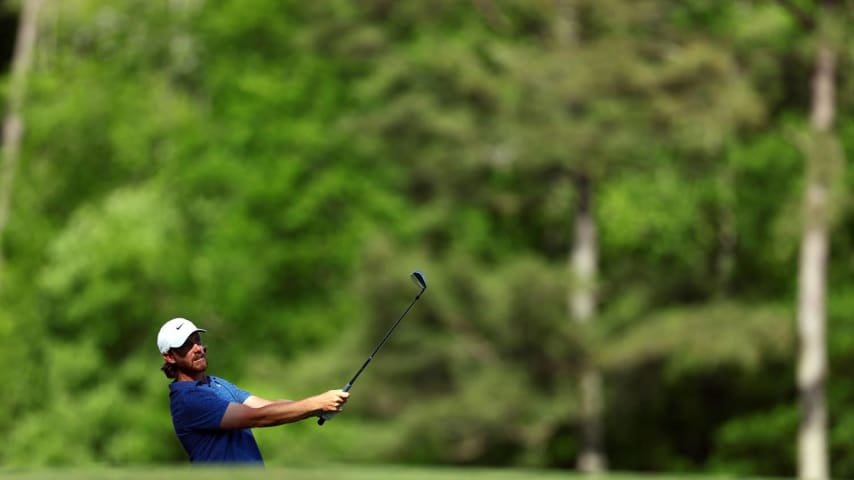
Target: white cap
{"type": "Point", "coordinates": [175, 332]}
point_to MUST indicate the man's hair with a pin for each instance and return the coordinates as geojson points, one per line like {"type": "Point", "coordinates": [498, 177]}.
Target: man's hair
{"type": "Point", "coordinates": [170, 370]}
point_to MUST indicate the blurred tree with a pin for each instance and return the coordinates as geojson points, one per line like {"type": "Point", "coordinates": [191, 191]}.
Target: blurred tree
{"type": "Point", "coordinates": [824, 160]}
{"type": "Point", "coordinates": [13, 124]}
{"type": "Point", "coordinates": [603, 84]}
{"type": "Point", "coordinates": [812, 361]}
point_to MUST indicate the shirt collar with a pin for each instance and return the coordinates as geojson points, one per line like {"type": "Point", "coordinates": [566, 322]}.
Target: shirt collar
{"type": "Point", "coordinates": [191, 383]}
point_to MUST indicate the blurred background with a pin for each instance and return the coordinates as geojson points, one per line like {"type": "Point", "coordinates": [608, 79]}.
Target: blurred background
{"type": "Point", "coordinates": [634, 217]}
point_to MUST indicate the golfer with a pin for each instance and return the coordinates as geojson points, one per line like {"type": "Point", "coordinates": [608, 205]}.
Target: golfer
{"type": "Point", "coordinates": [212, 417]}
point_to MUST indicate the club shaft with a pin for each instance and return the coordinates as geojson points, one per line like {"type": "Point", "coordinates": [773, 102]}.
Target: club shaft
{"type": "Point", "coordinates": [382, 342]}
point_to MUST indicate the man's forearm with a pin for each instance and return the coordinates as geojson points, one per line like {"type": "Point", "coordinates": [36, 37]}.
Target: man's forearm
{"type": "Point", "coordinates": [280, 411]}
{"type": "Point", "coordinates": [274, 413]}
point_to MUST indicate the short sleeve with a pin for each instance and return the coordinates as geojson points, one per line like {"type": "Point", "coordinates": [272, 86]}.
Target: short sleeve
{"type": "Point", "coordinates": [239, 395]}
{"type": "Point", "coordinates": [203, 410]}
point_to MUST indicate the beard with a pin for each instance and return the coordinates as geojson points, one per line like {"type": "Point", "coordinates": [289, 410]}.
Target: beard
{"type": "Point", "coordinates": [201, 363]}
{"type": "Point", "coordinates": [194, 362]}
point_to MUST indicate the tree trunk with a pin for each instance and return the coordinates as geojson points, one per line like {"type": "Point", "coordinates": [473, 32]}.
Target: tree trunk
{"type": "Point", "coordinates": [812, 361]}
{"type": "Point", "coordinates": [582, 307]}
{"type": "Point", "coordinates": [13, 125]}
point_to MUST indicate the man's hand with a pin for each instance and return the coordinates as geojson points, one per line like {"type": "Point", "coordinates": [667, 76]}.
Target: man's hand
{"type": "Point", "coordinates": [331, 401]}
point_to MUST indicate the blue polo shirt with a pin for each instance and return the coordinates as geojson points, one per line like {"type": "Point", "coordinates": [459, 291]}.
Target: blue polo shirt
{"type": "Point", "coordinates": [197, 410]}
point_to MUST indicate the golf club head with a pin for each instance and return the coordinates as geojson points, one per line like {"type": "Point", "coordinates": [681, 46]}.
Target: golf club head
{"type": "Point", "coordinates": [419, 279]}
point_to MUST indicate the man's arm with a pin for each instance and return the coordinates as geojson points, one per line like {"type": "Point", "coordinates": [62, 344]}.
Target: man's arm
{"type": "Point", "coordinates": [277, 412]}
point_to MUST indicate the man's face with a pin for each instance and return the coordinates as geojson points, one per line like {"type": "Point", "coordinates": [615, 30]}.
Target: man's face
{"type": "Point", "coordinates": [191, 356]}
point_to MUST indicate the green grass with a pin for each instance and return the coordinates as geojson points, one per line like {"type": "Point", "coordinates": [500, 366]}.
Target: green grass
{"type": "Point", "coordinates": [342, 472]}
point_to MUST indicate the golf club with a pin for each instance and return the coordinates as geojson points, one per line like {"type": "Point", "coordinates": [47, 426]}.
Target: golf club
{"type": "Point", "coordinates": [417, 277]}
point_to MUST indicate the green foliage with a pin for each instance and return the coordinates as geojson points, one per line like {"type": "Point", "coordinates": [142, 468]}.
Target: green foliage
{"type": "Point", "coordinates": [703, 338]}
{"type": "Point", "coordinates": [108, 265]}
{"type": "Point", "coordinates": [93, 418]}
{"type": "Point", "coordinates": [274, 169]}
{"type": "Point", "coordinates": [751, 444]}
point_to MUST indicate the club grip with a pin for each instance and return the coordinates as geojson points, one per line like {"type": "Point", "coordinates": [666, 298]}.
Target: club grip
{"type": "Point", "coordinates": [324, 416]}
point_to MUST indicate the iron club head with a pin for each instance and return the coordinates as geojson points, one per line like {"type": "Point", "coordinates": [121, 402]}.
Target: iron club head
{"type": "Point", "coordinates": [418, 277]}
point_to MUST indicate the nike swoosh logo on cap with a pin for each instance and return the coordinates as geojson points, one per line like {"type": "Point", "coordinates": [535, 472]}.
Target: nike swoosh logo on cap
{"type": "Point", "coordinates": [179, 327]}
